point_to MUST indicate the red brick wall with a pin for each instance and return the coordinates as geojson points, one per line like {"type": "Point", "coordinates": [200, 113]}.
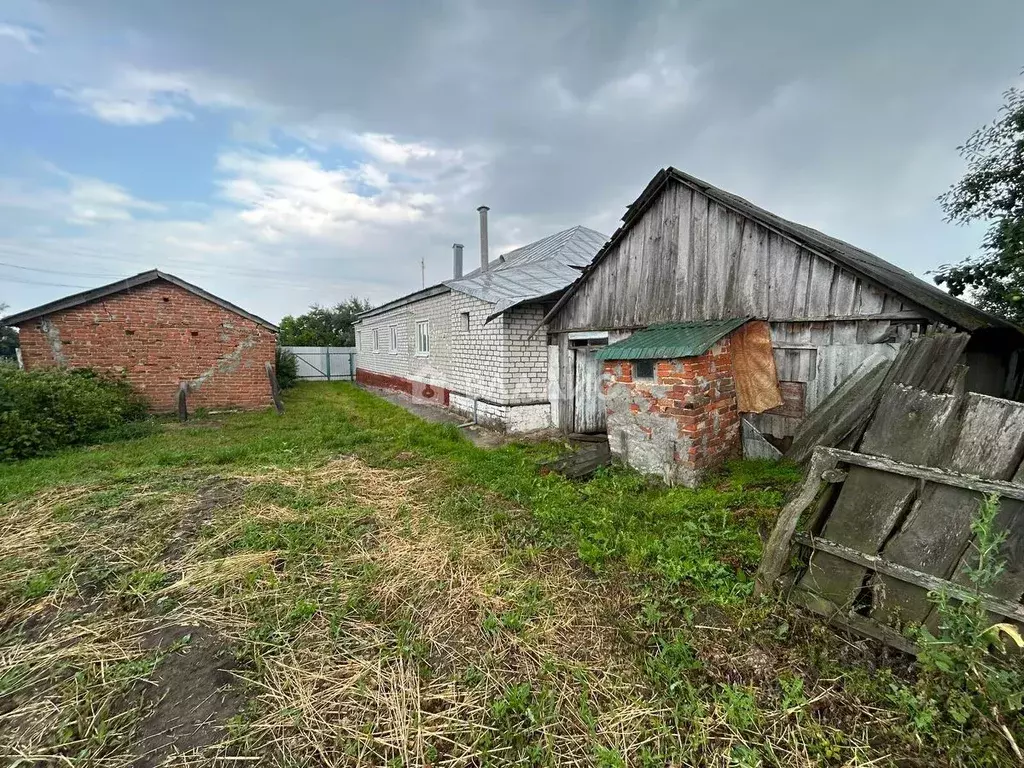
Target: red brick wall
{"type": "Point", "coordinates": [689, 410]}
{"type": "Point", "coordinates": [159, 335]}
{"type": "Point", "coordinates": [417, 389]}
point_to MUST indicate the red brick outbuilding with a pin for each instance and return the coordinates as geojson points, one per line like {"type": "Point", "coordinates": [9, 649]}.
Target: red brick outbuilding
{"type": "Point", "coordinates": [159, 331]}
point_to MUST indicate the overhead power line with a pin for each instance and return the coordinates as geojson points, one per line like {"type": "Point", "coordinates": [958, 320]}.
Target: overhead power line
{"type": "Point", "coordinates": [38, 282]}
{"type": "Point", "coordinates": [61, 271]}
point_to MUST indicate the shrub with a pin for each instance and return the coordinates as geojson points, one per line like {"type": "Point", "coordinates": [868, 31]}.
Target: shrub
{"type": "Point", "coordinates": [970, 694]}
{"type": "Point", "coordinates": [47, 409]}
{"type": "Point", "coordinates": [286, 368]}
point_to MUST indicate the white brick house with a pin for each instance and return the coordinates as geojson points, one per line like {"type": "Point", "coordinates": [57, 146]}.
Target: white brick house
{"type": "Point", "coordinates": [470, 342]}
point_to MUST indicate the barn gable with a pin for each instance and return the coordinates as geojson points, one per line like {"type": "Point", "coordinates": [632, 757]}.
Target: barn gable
{"type": "Point", "coordinates": [686, 256]}
{"type": "Point", "coordinates": [690, 252]}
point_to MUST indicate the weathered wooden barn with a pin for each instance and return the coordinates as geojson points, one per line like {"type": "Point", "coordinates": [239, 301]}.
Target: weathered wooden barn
{"type": "Point", "coordinates": [689, 252]}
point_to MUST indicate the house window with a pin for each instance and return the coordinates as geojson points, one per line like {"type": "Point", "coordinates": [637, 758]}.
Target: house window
{"type": "Point", "coordinates": [643, 370]}
{"type": "Point", "coordinates": [464, 321]}
{"type": "Point", "coordinates": [376, 340]}
{"type": "Point", "coordinates": [394, 339]}
{"type": "Point", "coordinates": [422, 337]}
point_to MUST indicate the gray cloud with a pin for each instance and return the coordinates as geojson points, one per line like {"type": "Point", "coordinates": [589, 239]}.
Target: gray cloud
{"type": "Point", "coordinates": [846, 118]}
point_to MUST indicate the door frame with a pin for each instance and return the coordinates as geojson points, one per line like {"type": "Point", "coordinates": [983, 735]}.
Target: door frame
{"type": "Point", "coordinates": [577, 340]}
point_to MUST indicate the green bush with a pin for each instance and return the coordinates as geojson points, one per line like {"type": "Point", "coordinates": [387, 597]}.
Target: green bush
{"type": "Point", "coordinates": [969, 696]}
{"type": "Point", "coordinates": [286, 368]}
{"type": "Point", "coordinates": [47, 409]}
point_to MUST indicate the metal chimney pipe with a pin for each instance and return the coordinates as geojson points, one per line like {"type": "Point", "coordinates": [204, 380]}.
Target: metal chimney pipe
{"type": "Point", "coordinates": [484, 259]}
{"type": "Point", "coordinates": [457, 260]}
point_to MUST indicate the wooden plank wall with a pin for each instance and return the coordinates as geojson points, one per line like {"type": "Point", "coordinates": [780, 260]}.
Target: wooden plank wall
{"type": "Point", "coordinates": [690, 258]}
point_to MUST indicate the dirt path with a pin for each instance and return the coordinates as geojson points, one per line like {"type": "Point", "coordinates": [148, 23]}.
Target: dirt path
{"type": "Point", "coordinates": [480, 436]}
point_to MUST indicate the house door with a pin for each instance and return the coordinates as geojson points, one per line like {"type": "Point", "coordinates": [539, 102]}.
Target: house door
{"type": "Point", "coordinates": [588, 402]}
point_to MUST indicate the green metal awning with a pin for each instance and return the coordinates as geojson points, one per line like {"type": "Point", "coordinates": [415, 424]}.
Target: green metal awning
{"type": "Point", "coordinates": [671, 340]}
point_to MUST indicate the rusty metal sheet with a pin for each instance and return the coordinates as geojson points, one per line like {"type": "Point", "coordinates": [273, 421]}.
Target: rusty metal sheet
{"type": "Point", "coordinates": [753, 362]}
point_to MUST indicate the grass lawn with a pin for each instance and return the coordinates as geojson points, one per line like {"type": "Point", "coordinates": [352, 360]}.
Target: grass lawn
{"type": "Point", "coordinates": [348, 585]}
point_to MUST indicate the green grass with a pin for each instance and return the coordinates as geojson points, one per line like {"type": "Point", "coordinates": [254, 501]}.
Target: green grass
{"type": "Point", "coordinates": [706, 538]}
{"type": "Point", "coordinates": [429, 601]}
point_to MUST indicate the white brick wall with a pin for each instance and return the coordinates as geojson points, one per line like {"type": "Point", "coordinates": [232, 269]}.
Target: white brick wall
{"type": "Point", "coordinates": [514, 418]}
{"type": "Point", "coordinates": [494, 362]}
{"type": "Point", "coordinates": [430, 368]}
{"type": "Point", "coordinates": [526, 369]}
{"type": "Point", "coordinates": [477, 360]}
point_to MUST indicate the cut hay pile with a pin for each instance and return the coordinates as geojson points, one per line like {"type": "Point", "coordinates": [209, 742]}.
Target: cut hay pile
{"type": "Point", "coordinates": [359, 628]}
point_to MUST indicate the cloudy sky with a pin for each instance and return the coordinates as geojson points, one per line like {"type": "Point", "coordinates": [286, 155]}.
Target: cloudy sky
{"type": "Point", "coordinates": [286, 153]}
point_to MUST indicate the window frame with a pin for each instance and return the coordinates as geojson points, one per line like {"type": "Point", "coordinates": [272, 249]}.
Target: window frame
{"type": "Point", "coordinates": [424, 336]}
{"type": "Point", "coordinates": [376, 341]}
{"type": "Point", "coordinates": [464, 322]}
{"type": "Point", "coordinates": [394, 340]}
{"type": "Point", "coordinates": [637, 376]}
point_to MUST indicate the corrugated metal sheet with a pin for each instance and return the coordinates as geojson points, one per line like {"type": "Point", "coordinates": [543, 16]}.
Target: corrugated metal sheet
{"type": "Point", "coordinates": [671, 340]}
{"type": "Point", "coordinates": [534, 271]}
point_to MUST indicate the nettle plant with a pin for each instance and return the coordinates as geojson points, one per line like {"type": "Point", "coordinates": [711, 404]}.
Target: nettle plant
{"type": "Point", "coordinates": [972, 674]}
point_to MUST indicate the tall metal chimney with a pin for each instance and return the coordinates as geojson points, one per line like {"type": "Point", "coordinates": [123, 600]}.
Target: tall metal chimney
{"type": "Point", "coordinates": [457, 260]}
{"type": "Point", "coordinates": [484, 259]}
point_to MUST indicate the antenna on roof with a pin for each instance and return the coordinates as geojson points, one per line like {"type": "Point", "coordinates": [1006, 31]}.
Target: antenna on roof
{"type": "Point", "coordinates": [423, 272]}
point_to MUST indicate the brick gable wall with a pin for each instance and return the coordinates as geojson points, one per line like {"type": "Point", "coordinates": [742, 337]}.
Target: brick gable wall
{"type": "Point", "coordinates": [160, 335]}
{"type": "Point", "coordinates": [680, 424]}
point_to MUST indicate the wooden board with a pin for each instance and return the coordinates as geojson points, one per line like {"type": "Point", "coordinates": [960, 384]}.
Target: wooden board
{"type": "Point", "coordinates": [589, 415]}
{"type": "Point", "coordinates": [754, 444]}
{"type": "Point", "coordinates": [934, 536]}
{"type": "Point", "coordinates": [927, 362]}
{"type": "Point", "coordinates": [590, 455]}
{"type": "Point", "coordinates": [793, 400]}
{"type": "Point", "coordinates": [841, 411]}
{"type": "Point", "coordinates": [688, 257]}
{"type": "Point", "coordinates": [872, 503]}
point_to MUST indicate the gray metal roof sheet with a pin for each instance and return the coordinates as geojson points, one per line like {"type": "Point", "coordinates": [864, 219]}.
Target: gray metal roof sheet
{"type": "Point", "coordinates": [533, 271]}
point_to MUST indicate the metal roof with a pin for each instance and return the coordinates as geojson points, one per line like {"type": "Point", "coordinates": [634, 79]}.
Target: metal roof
{"type": "Point", "coordinates": [401, 301]}
{"type": "Point", "coordinates": [532, 272]}
{"type": "Point", "coordinates": [670, 341]}
{"type": "Point", "coordinates": [890, 277]}
{"type": "Point", "coordinates": [143, 278]}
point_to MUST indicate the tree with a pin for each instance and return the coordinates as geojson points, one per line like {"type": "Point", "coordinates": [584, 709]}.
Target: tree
{"type": "Point", "coordinates": [324, 326]}
{"type": "Point", "coordinates": [8, 337]}
{"type": "Point", "coordinates": [992, 191]}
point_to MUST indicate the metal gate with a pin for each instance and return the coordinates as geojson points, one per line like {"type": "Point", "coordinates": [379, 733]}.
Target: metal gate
{"type": "Point", "coordinates": [324, 363]}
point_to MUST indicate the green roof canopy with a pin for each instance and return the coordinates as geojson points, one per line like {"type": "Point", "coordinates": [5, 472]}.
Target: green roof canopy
{"type": "Point", "coordinates": [671, 340]}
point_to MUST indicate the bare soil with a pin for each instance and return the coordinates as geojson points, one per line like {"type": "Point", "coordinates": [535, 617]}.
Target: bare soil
{"type": "Point", "coordinates": [193, 694]}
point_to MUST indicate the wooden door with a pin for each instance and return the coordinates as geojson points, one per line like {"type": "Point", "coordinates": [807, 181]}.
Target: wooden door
{"type": "Point", "coordinates": [588, 403]}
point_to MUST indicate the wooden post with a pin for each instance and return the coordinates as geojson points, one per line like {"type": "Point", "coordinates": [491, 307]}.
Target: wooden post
{"type": "Point", "coordinates": [182, 402]}
{"type": "Point", "coordinates": [327, 356]}
{"type": "Point", "coordinates": [275, 390]}
{"type": "Point", "coordinates": [776, 549]}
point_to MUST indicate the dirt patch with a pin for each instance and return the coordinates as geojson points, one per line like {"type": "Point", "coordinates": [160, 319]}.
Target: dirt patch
{"type": "Point", "coordinates": [190, 693]}
{"type": "Point", "coordinates": [217, 493]}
